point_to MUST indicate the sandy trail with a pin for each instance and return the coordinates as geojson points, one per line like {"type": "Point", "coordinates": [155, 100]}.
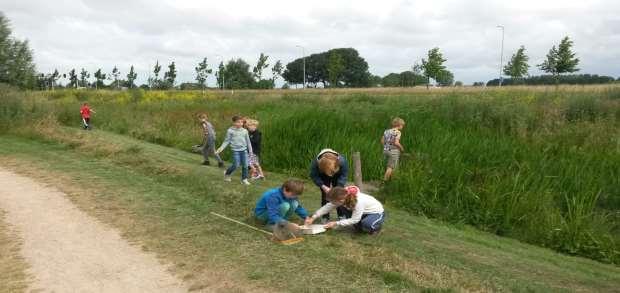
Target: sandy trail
{"type": "Point", "coordinates": [68, 251]}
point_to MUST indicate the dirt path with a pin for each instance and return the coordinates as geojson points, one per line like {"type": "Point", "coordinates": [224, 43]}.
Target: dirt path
{"type": "Point", "coordinates": [68, 251]}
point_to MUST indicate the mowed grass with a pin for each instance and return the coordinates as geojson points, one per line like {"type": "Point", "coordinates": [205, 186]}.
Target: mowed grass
{"type": "Point", "coordinates": [160, 198]}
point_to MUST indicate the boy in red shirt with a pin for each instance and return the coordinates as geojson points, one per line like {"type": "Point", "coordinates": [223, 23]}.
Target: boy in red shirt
{"type": "Point", "coordinates": [85, 112]}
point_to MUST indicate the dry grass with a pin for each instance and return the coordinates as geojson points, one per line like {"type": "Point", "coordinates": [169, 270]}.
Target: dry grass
{"type": "Point", "coordinates": [13, 267]}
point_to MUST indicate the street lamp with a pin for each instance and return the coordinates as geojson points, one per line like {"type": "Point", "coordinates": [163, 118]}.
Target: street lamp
{"type": "Point", "coordinates": [303, 53]}
{"type": "Point", "coordinates": [223, 75]}
{"type": "Point", "coordinates": [501, 56]}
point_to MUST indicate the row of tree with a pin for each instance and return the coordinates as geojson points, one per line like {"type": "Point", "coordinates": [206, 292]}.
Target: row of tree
{"type": "Point", "coordinates": [580, 79]}
{"type": "Point", "coordinates": [341, 67]}
{"type": "Point", "coordinates": [559, 60]}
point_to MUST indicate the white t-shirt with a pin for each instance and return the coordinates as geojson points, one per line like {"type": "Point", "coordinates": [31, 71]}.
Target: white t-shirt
{"type": "Point", "coordinates": [366, 204]}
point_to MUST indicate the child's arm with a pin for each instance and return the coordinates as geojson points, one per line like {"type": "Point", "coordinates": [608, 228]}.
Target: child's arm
{"type": "Point", "coordinates": [301, 212]}
{"type": "Point", "coordinates": [328, 207]}
{"type": "Point", "coordinates": [354, 219]}
{"type": "Point", "coordinates": [225, 143]}
{"type": "Point", "coordinates": [248, 142]}
{"type": "Point", "coordinates": [397, 143]}
{"type": "Point", "coordinates": [314, 174]}
{"type": "Point", "coordinates": [344, 172]}
{"type": "Point", "coordinates": [93, 110]}
{"type": "Point", "coordinates": [382, 139]}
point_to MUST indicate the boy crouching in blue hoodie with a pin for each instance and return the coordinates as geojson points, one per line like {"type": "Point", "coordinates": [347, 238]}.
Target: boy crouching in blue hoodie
{"type": "Point", "coordinates": [278, 204]}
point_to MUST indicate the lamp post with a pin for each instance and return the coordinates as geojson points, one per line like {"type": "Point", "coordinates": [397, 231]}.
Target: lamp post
{"type": "Point", "coordinates": [303, 53]}
{"type": "Point", "coordinates": [223, 75]}
{"type": "Point", "coordinates": [501, 56]}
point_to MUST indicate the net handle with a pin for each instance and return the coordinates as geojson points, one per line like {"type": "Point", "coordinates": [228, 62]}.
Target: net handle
{"type": "Point", "coordinates": [241, 223]}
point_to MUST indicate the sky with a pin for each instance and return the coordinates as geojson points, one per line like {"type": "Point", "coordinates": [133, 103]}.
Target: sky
{"type": "Point", "coordinates": [391, 35]}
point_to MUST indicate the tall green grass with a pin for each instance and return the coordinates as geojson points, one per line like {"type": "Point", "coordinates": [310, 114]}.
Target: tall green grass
{"type": "Point", "coordinates": [538, 164]}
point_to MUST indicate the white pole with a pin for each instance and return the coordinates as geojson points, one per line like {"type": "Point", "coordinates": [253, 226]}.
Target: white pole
{"type": "Point", "coordinates": [223, 75]}
{"type": "Point", "coordinates": [501, 56]}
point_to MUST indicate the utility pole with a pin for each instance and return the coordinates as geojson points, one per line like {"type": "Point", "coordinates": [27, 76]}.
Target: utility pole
{"type": "Point", "coordinates": [221, 74]}
{"type": "Point", "coordinates": [501, 56]}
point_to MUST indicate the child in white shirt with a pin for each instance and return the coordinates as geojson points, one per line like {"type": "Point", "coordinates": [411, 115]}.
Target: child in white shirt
{"type": "Point", "coordinates": [365, 212]}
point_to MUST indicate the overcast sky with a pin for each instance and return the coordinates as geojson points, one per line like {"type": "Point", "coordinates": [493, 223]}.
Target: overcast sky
{"type": "Point", "coordinates": [390, 34]}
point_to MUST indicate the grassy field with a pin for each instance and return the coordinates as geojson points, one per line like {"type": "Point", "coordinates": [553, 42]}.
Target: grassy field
{"type": "Point", "coordinates": [539, 164]}
{"type": "Point", "coordinates": [160, 198]}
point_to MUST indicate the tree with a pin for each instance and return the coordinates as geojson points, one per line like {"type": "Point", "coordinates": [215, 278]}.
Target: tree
{"type": "Point", "coordinates": [84, 76]}
{"type": "Point", "coordinates": [566, 60]}
{"type": "Point", "coordinates": [560, 60]}
{"type": "Point", "coordinates": [517, 66]}
{"type": "Point", "coordinates": [335, 68]}
{"type": "Point", "coordinates": [99, 78]}
{"type": "Point", "coordinates": [202, 72]}
{"type": "Point", "coordinates": [277, 71]}
{"type": "Point", "coordinates": [73, 79]}
{"type": "Point", "coordinates": [131, 77]}
{"type": "Point", "coordinates": [445, 78]}
{"type": "Point", "coordinates": [433, 66]}
{"type": "Point", "coordinates": [154, 82]}
{"type": "Point", "coordinates": [220, 75]}
{"type": "Point", "coordinates": [54, 77]}
{"type": "Point", "coordinates": [170, 75]}
{"type": "Point", "coordinates": [260, 66]}
{"type": "Point", "coordinates": [16, 63]}
{"type": "Point", "coordinates": [238, 75]}
{"type": "Point", "coordinates": [354, 74]}
{"type": "Point", "coordinates": [115, 74]}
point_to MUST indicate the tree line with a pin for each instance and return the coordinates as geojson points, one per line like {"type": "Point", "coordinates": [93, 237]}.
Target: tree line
{"type": "Point", "coordinates": [335, 68]}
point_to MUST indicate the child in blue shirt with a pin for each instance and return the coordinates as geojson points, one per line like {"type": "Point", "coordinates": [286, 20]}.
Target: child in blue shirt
{"type": "Point", "coordinates": [278, 204]}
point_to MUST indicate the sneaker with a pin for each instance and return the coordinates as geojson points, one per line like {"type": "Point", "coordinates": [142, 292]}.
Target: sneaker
{"type": "Point", "coordinates": [220, 164]}
{"type": "Point", "coordinates": [245, 181]}
{"type": "Point", "coordinates": [227, 178]}
{"type": "Point", "coordinates": [206, 163]}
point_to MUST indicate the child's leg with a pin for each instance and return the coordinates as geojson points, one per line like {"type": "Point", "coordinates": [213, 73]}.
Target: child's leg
{"type": "Point", "coordinates": [388, 174]}
{"type": "Point", "coordinates": [372, 222]}
{"type": "Point", "coordinates": [236, 161]}
{"type": "Point", "coordinates": [287, 210]}
{"type": "Point", "coordinates": [205, 153]}
{"type": "Point", "coordinates": [243, 158]}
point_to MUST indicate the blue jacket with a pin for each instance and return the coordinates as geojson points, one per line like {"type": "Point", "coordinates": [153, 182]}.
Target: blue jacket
{"type": "Point", "coordinates": [270, 202]}
{"type": "Point", "coordinates": [339, 179]}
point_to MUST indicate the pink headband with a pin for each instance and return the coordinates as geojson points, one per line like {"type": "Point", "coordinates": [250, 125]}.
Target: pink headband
{"type": "Point", "coordinates": [352, 190]}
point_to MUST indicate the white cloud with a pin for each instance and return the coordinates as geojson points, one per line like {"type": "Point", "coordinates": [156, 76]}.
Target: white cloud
{"type": "Point", "coordinates": [390, 34]}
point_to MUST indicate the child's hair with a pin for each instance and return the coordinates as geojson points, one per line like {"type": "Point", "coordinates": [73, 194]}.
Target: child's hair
{"type": "Point", "coordinates": [397, 121]}
{"type": "Point", "coordinates": [236, 118]}
{"type": "Point", "coordinates": [251, 122]}
{"type": "Point", "coordinates": [328, 164]}
{"type": "Point", "coordinates": [339, 193]}
{"type": "Point", "coordinates": [202, 116]}
{"type": "Point", "coordinates": [294, 186]}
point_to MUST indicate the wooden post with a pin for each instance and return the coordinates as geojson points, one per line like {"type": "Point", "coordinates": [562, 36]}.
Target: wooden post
{"type": "Point", "coordinates": [357, 167]}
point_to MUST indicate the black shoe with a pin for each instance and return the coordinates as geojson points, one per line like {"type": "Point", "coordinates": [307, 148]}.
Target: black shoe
{"type": "Point", "coordinates": [206, 163]}
{"type": "Point", "coordinates": [220, 164]}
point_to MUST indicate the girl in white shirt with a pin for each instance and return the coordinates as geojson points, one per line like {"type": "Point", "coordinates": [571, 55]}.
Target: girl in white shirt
{"type": "Point", "coordinates": [365, 212]}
